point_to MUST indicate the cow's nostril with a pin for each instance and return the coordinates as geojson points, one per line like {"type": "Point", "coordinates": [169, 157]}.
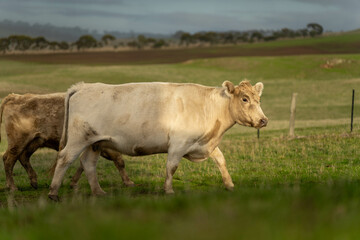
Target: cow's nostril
{"type": "Point", "coordinates": [263, 122]}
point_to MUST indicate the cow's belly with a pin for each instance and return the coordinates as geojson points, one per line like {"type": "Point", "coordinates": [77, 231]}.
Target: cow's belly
{"type": "Point", "coordinates": [136, 147]}
{"type": "Point", "coordinates": [197, 155]}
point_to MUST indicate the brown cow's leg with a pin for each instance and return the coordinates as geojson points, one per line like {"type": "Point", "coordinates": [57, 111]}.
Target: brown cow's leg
{"type": "Point", "coordinates": [119, 163]}
{"type": "Point", "coordinates": [219, 159]}
{"type": "Point", "coordinates": [25, 162]}
{"type": "Point", "coordinates": [24, 158]}
{"type": "Point", "coordinates": [75, 179]}
{"type": "Point", "coordinates": [9, 163]}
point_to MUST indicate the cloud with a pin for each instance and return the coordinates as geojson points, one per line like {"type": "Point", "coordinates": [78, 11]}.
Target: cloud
{"type": "Point", "coordinates": [166, 16]}
{"type": "Point", "coordinates": [117, 2]}
{"type": "Point", "coordinates": [333, 3]}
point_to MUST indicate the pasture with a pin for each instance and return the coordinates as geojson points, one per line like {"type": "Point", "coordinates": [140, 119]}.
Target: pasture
{"type": "Point", "coordinates": [302, 188]}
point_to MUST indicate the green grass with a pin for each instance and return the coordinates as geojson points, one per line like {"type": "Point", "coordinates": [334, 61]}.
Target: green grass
{"type": "Point", "coordinates": [323, 93]}
{"type": "Point", "coordinates": [304, 188]}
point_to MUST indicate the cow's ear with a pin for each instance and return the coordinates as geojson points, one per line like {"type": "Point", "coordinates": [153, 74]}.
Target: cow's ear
{"type": "Point", "coordinates": [229, 88]}
{"type": "Point", "coordinates": [259, 87]}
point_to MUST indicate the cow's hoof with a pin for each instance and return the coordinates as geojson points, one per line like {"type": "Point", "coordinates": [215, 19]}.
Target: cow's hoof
{"type": "Point", "coordinates": [12, 188]}
{"type": "Point", "coordinates": [34, 185]}
{"type": "Point", "coordinates": [169, 192]}
{"type": "Point", "coordinates": [73, 185]}
{"type": "Point", "coordinates": [99, 193]}
{"type": "Point", "coordinates": [129, 184]}
{"type": "Point", "coordinates": [230, 188]}
{"type": "Point", "coordinates": [54, 198]}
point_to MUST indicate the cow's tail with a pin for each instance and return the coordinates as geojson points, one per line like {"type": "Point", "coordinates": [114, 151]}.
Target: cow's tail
{"type": "Point", "coordinates": [64, 136]}
{"type": "Point", "coordinates": [3, 103]}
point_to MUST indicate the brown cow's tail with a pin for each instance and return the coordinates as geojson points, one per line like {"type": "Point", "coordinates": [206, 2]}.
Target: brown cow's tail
{"type": "Point", "coordinates": [64, 136]}
{"type": "Point", "coordinates": [3, 103]}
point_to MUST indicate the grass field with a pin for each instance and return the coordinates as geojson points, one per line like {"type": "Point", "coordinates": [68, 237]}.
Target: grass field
{"type": "Point", "coordinates": [304, 188]}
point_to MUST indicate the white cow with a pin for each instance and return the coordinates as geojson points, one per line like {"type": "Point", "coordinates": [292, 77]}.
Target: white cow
{"type": "Point", "coordinates": [182, 120]}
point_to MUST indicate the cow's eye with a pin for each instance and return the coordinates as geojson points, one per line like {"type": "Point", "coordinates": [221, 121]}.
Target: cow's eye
{"type": "Point", "coordinates": [245, 100]}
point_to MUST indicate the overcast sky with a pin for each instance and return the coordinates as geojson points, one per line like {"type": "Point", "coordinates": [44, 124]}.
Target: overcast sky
{"type": "Point", "coordinates": [168, 16]}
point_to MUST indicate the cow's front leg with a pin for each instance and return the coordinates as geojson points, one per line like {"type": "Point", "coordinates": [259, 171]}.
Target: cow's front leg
{"type": "Point", "coordinates": [64, 159]}
{"type": "Point", "coordinates": [171, 166]}
{"type": "Point", "coordinates": [25, 162]}
{"type": "Point", "coordinates": [219, 159]}
{"type": "Point", "coordinates": [88, 160]}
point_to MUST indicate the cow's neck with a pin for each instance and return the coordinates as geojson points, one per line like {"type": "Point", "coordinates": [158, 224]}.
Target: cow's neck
{"type": "Point", "coordinates": [221, 118]}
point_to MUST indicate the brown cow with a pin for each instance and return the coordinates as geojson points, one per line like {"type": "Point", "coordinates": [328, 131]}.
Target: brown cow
{"type": "Point", "coordinates": [36, 121]}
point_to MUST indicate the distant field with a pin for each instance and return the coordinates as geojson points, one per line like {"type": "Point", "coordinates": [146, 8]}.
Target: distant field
{"type": "Point", "coordinates": [333, 44]}
{"type": "Point", "coordinates": [305, 188]}
{"type": "Point", "coordinates": [324, 94]}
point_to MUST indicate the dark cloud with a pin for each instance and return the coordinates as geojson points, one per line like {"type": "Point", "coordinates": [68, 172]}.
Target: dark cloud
{"type": "Point", "coordinates": [47, 2]}
{"type": "Point", "coordinates": [165, 16]}
{"type": "Point", "coordinates": [335, 3]}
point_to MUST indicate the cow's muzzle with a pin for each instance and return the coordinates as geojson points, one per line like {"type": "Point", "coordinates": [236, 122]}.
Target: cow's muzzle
{"type": "Point", "coordinates": [263, 122]}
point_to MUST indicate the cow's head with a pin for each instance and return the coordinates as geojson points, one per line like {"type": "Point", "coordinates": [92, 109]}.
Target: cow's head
{"type": "Point", "coordinates": [245, 103]}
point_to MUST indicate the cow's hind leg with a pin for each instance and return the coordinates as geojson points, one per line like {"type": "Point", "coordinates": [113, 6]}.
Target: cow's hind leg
{"type": "Point", "coordinates": [9, 163]}
{"type": "Point", "coordinates": [119, 164]}
{"type": "Point", "coordinates": [171, 166]}
{"type": "Point", "coordinates": [219, 159]}
{"type": "Point", "coordinates": [89, 159]}
{"type": "Point", "coordinates": [64, 160]}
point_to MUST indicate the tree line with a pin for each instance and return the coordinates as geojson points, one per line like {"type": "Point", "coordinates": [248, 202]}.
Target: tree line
{"type": "Point", "coordinates": [23, 43]}
{"type": "Point", "coordinates": [233, 37]}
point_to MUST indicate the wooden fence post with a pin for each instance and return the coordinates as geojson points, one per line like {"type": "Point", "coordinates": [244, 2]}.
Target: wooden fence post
{"type": "Point", "coordinates": [352, 110]}
{"type": "Point", "coordinates": [292, 115]}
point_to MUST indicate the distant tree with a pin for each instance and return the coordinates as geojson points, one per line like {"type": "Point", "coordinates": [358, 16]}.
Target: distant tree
{"type": "Point", "coordinates": [315, 29]}
{"type": "Point", "coordinates": [270, 38]}
{"type": "Point", "coordinates": [53, 45]}
{"type": "Point", "coordinates": [243, 37]}
{"type": "Point", "coordinates": [142, 41]}
{"type": "Point", "coordinates": [151, 41]}
{"type": "Point", "coordinates": [256, 36]}
{"type": "Point", "coordinates": [228, 37]}
{"type": "Point", "coordinates": [160, 43]}
{"type": "Point", "coordinates": [186, 38]}
{"type": "Point", "coordinates": [4, 44]}
{"type": "Point", "coordinates": [304, 32]}
{"type": "Point", "coordinates": [107, 38]}
{"type": "Point", "coordinates": [210, 37]}
{"type": "Point", "coordinates": [40, 43]}
{"type": "Point", "coordinates": [86, 41]}
{"type": "Point", "coordinates": [287, 33]}
{"type": "Point", "coordinates": [20, 42]}
{"type": "Point", "coordinates": [133, 44]}
{"type": "Point", "coordinates": [63, 45]}
{"type": "Point", "coordinates": [178, 34]}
